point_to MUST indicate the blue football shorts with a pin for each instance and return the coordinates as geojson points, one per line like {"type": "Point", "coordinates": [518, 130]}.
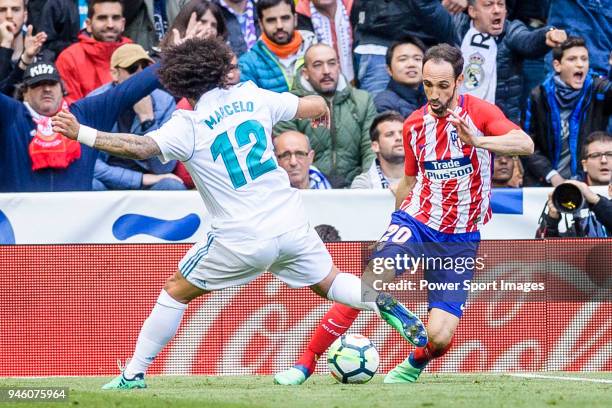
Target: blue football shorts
{"type": "Point", "coordinates": [449, 260]}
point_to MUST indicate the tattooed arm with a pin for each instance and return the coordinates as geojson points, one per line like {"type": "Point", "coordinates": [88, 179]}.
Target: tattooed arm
{"type": "Point", "coordinates": [127, 145]}
{"type": "Point", "coordinates": [117, 144]}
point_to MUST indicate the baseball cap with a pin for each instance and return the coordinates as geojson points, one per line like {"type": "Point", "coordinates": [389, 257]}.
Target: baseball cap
{"type": "Point", "coordinates": [126, 55]}
{"type": "Point", "coordinates": [40, 71]}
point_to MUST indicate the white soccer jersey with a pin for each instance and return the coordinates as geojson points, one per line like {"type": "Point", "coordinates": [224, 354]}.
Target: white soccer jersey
{"type": "Point", "coordinates": [226, 145]}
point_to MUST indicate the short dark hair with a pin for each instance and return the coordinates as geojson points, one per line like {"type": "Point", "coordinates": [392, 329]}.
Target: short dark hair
{"type": "Point", "coordinates": [200, 7]}
{"type": "Point", "coordinates": [597, 136]}
{"type": "Point", "coordinates": [198, 65]}
{"type": "Point", "coordinates": [446, 53]}
{"type": "Point", "coordinates": [21, 89]}
{"type": "Point", "coordinates": [266, 4]}
{"type": "Point", "coordinates": [386, 116]}
{"type": "Point", "coordinates": [92, 3]}
{"type": "Point", "coordinates": [571, 42]}
{"type": "Point", "coordinates": [406, 40]}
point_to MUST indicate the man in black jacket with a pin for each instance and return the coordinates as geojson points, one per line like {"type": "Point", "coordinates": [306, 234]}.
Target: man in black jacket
{"type": "Point", "coordinates": [597, 220]}
{"type": "Point", "coordinates": [13, 15]}
{"type": "Point", "coordinates": [561, 112]}
{"type": "Point", "coordinates": [378, 23]}
{"type": "Point", "coordinates": [404, 93]}
{"type": "Point", "coordinates": [18, 48]}
{"type": "Point", "coordinates": [596, 223]}
{"type": "Point", "coordinates": [494, 48]}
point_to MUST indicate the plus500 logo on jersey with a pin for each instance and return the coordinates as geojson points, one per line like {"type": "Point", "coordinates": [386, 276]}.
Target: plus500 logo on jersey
{"type": "Point", "coordinates": [448, 169]}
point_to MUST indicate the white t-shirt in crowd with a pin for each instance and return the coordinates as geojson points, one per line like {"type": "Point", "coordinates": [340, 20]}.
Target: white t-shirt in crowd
{"type": "Point", "coordinates": [480, 67]}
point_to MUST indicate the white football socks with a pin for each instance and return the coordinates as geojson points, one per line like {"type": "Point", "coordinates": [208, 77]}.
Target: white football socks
{"type": "Point", "coordinates": [346, 289]}
{"type": "Point", "coordinates": [165, 318]}
{"type": "Point", "coordinates": [159, 328]}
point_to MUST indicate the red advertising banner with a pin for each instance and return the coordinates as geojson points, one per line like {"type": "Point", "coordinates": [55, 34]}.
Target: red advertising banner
{"type": "Point", "coordinates": [76, 309]}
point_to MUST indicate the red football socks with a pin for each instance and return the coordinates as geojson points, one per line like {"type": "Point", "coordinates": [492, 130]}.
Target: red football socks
{"type": "Point", "coordinates": [423, 355]}
{"type": "Point", "coordinates": [333, 325]}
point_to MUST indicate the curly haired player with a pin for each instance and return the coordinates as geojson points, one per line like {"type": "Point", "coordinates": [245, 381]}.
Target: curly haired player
{"type": "Point", "coordinates": [226, 146]}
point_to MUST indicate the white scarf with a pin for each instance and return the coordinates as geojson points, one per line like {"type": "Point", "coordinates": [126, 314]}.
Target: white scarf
{"type": "Point", "coordinates": [480, 67]}
{"type": "Point", "coordinates": [344, 43]}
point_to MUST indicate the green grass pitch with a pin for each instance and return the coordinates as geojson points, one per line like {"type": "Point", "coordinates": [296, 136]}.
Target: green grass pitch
{"type": "Point", "coordinates": [432, 390]}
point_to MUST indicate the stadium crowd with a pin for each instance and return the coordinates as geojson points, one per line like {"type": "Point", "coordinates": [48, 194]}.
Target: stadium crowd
{"type": "Point", "coordinates": [547, 64]}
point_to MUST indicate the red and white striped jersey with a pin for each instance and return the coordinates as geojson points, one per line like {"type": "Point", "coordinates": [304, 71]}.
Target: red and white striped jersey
{"type": "Point", "coordinates": [453, 187]}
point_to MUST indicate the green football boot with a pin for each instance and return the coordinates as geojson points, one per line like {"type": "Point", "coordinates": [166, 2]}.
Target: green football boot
{"type": "Point", "coordinates": [404, 372]}
{"type": "Point", "coordinates": [122, 383]}
{"type": "Point", "coordinates": [293, 376]}
{"type": "Point", "coordinates": [401, 319]}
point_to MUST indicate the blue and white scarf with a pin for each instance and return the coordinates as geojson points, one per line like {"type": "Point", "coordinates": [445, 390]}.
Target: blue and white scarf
{"type": "Point", "coordinates": [160, 19]}
{"type": "Point", "coordinates": [317, 180]}
{"type": "Point", "coordinates": [344, 38]}
{"type": "Point", "coordinates": [247, 22]}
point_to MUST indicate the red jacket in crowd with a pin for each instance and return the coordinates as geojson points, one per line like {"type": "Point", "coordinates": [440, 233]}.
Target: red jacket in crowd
{"type": "Point", "coordinates": [85, 66]}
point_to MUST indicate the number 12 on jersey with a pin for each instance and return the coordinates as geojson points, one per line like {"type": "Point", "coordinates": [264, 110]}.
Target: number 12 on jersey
{"type": "Point", "coordinates": [223, 147]}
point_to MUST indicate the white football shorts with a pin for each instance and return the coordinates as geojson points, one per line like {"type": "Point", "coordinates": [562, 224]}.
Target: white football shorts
{"type": "Point", "coordinates": [298, 258]}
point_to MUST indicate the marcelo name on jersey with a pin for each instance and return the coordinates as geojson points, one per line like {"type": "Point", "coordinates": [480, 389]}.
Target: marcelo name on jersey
{"type": "Point", "coordinates": [448, 169]}
{"type": "Point", "coordinates": [227, 110]}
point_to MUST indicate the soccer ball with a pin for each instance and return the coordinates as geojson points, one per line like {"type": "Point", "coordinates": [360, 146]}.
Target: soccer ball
{"type": "Point", "coordinates": [353, 359]}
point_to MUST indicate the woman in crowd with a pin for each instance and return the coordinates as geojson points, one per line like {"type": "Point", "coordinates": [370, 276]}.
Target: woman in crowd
{"type": "Point", "coordinates": [199, 18]}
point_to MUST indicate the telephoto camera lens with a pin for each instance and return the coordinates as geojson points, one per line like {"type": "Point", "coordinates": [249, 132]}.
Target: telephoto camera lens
{"type": "Point", "coordinates": [567, 198]}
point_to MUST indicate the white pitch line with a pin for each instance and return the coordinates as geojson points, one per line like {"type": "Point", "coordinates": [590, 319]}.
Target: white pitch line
{"type": "Point", "coordinates": [553, 377]}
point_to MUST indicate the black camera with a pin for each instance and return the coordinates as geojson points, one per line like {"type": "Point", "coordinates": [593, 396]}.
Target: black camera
{"type": "Point", "coordinates": [567, 198]}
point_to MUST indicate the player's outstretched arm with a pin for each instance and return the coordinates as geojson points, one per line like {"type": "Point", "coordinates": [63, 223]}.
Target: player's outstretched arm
{"type": "Point", "coordinates": [514, 143]}
{"type": "Point", "coordinates": [311, 107]}
{"type": "Point", "coordinates": [117, 144]}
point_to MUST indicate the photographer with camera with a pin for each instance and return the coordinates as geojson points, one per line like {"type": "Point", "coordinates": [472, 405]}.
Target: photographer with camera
{"type": "Point", "coordinates": [591, 213]}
